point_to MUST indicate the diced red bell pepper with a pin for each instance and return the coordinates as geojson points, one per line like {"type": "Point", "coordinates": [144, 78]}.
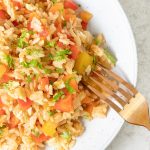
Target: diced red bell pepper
{"type": "Point", "coordinates": [61, 45]}
{"type": "Point", "coordinates": [84, 25]}
{"type": "Point", "coordinates": [2, 112]}
{"type": "Point", "coordinates": [39, 139]}
{"type": "Point", "coordinates": [44, 82]}
{"type": "Point", "coordinates": [15, 23]}
{"type": "Point", "coordinates": [75, 51]}
{"type": "Point", "coordinates": [17, 4]}
{"type": "Point", "coordinates": [25, 105]}
{"type": "Point", "coordinates": [65, 104]}
{"type": "Point", "coordinates": [70, 4]}
{"type": "Point", "coordinates": [44, 33]}
{"type": "Point", "coordinates": [3, 15]}
{"type": "Point", "coordinates": [13, 122]}
{"type": "Point", "coordinates": [1, 104]}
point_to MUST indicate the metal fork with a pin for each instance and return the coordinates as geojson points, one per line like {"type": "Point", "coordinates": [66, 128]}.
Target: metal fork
{"type": "Point", "coordinates": [120, 95]}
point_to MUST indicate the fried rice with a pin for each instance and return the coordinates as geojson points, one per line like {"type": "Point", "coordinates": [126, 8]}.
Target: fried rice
{"type": "Point", "coordinates": [42, 101]}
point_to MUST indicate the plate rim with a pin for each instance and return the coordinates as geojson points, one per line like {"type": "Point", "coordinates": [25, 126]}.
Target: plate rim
{"type": "Point", "coordinates": [134, 82]}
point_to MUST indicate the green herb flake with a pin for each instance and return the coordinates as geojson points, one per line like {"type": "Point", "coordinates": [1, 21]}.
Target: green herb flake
{"type": "Point", "coordinates": [51, 57]}
{"type": "Point", "coordinates": [61, 54]}
{"type": "Point", "coordinates": [25, 64]}
{"type": "Point", "coordinates": [69, 87]}
{"type": "Point", "coordinates": [35, 133]}
{"type": "Point", "coordinates": [47, 71]}
{"type": "Point", "coordinates": [2, 129]}
{"type": "Point", "coordinates": [29, 79]}
{"type": "Point", "coordinates": [9, 61]}
{"type": "Point", "coordinates": [21, 41]}
{"type": "Point", "coordinates": [66, 135]}
{"type": "Point", "coordinates": [59, 70]}
{"type": "Point", "coordinates": [51, 44]}
{"type": "Point", "coordinates": [54, 1]}
{"type": "Point", "coordinates": [57, 96]}
{"type": "Point", "coordinates": [51, 113]}
{"type": "Point", "coordinates": [97, 41]}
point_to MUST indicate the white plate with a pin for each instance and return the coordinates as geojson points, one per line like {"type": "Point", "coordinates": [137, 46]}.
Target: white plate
{"type": "Point", "coordinates": [109, 19]}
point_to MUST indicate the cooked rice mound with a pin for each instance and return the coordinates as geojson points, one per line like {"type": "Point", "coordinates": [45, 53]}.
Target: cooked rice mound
{"type": "Point", "coordinates": [42, 100]}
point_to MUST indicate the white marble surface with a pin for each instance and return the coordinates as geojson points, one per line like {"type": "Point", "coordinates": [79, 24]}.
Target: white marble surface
{"type": "Point", "coordinates": [138, 12]}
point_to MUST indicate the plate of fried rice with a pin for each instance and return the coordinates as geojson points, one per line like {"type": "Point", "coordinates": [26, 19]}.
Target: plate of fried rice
{"type": "Point", "coordinates": [46, 47]}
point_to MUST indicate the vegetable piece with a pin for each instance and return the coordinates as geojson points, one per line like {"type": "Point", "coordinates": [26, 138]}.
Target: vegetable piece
{"type": "Point", "coordinates": [70, 17]}
{"type": "Point", "coordinates": [86, 16]}
{"type": "Point", "coordinates": [5, 78]}
{"type": "Point", "coordinates": [2, 112]}
{"type": "Point", "coordinates": [70, 4]}
{"type": "Point", "coordinates": [51, 44]}
{"type": "Point", "coordinates": [66, 135]}
{"type": "Point", "coordinates": [84, 25]}
{"type": "Point", "coordinates": [3, 15]}
{"type": "Point", "coordinates": [72, 82]}
{"type": "Point", "coordinates": [57, 96]}
{"type": "Point", "coordinates": [40, 138]}
{"type": "Point", "coordinates": [21, 41]}
{"type": "Point", "coordinates": [75, 52]}
{"type": "Point", "coordinates": [17, 4]}
{"type": "Point", "coordinates": [1, 104]}
{"type": "Point", "coordinates": [44, 33]}
{"type": "Point", "coordinates": [13, 122]}
{"type": "Point", "coordinates": [44, 82]}
{"type": "Point", "coordinates": [3, 129]}
{"type": "Point", "coordinates": [3, 70]}
{"type": "Point", "coordinates": [9, 61]}
{"type": "Point", "coordinates": [65, 104]}
{"type": "Point", "coordinates": [110, 58]}
{"type": "Point", "coordinates": [57, 7]}
{"type": "Point", "coordinates": [25, 105]}
{"type": "Point", "coordinates": [49, 128]}
{"type": "Point", "coordinates": [82, 62]}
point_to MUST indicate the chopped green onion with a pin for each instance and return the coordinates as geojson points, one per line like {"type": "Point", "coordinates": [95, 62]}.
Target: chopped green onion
{"type": "Point", "coordinates": [54, 1]}
{"type": "Point", "coordinates": [51, 113]}
{"type": "Point", "coordinates": [9, 61]}
{"type": "Point", "coordinates": [1, 129]}
{"type": "Point", "coordinates": [36, 133]}
{"type": "Point", "coordinates": [47, 71]}
{"type": "Point", "coordinates": [51, 44]}
{"type": "Point", "coordinates": [32, 63]}
{"type": "Point", "coordinates": [57, 96]}
{"type": "Point", "coordinates": [68, 86]}
{"type": "Point", "coordinates": [66, 135]}
{"type": "Point", "coordinates": [51, 56]}
{"type": "Point", "coordinates": [59, 70]}
{"type": "Point", "coordinates": [29, 79]}
{"type": "Point", "coordinates": [25, 64]}
{"type": "Point", "coordinates": [97, 41]}
{"type": "Point", "coordinates": [61, 54]}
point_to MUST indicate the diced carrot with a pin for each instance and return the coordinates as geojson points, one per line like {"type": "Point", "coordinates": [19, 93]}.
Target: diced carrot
{"type": "Point", "coordinates": [5, 78]}
{"type": "Point", "coordinates": [86, 16]}
{"type": "Point", "coordinates": [70, 17]}
{"type": "Point", "coordinates": [57, 7]}
{"type": "Point", "coordinates": [44, 82]}
{"type": "Point", "coordinates": [84, 25]}
{"type": "Point", "coordinates": [44, 33]}
{"type": "Point", "coordinates": [25, 105]}
{"type": "Point", "coordinates": [70, 4]}
{"type": "Point", "coordinates": [3, 15]}
{"type": "Point", "coordinates": [3, 70]}
{"type": "Point", "coordinates": [75, 51]}
{"type": "Point", "coordinates": [39, 139]}
{"type": "Point", "coordinates": [72, 82]}
{"type": "Point", "coordinates": [1, 104]}
{"type": "Point", "coordinates": [2, 112]}
{"type": "Point", "coordinates": [13, 122]}
{"type": "Point", "coordinates": [65, 104]}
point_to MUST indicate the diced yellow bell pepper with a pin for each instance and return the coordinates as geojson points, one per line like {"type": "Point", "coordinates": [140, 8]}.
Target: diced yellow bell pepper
{"type": "Point", "coordinates": [86, 16]}
{"type": "Point", "coordinates": [82, 62]}
{"type": "Point", "coordinates": [3, 69]}
{"type": "Point", "coordinates": [57, 7]}
{"type": "Point", "coordinates": [49, 128]}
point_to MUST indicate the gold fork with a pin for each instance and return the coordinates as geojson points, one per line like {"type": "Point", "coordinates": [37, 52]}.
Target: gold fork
{"type": "Point", "coordinates": [120, 95]}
